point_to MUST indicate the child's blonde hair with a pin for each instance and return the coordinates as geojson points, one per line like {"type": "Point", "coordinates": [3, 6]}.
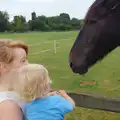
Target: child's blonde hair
{"type": "Point", "coordinates": [32, 82]}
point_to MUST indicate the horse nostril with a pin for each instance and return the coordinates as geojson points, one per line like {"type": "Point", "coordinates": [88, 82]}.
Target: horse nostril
{"type": "Point", "coordinates": [71, 64]}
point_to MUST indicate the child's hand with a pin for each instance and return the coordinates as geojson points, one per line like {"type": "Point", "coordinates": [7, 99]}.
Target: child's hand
{"type": "Point", "coordinates": [52, 93]}
{"type": "Point", "coordinates": [60, 92]}
{"type": "Point", "coordinates": [64, 94]}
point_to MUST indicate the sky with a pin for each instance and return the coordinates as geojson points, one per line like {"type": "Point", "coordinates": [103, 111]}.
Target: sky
{"type": "Point", "coordinates": [75, 8]}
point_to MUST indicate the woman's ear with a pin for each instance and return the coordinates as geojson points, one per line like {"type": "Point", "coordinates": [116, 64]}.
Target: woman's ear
{"type": "Point", "coordinates": [4, 67]}
{"type": "Point", "coordinates": [1, 65]}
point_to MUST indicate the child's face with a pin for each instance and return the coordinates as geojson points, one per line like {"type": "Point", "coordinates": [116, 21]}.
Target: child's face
{"type": "Point", "coordinates": [26, 67]}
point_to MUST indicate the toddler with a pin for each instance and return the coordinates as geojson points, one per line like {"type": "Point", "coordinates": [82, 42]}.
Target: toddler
{"type": "Point", "coordinates": [33, 84]}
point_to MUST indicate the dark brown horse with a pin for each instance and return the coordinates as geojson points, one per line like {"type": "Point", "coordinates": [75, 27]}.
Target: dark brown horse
{"type": "Point", "coordinates": [98, 37]}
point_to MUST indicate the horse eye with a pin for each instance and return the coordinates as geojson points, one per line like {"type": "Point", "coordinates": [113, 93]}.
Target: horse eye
{"type": "Point", "coordinates": [85, 21]}
{"type": "Point", "coordinates": [90, 21]}
{"type": "Point", "coordinates": [93, 21]}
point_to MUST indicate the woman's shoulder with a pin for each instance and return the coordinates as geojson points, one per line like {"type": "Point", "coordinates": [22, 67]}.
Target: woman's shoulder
{"type": "Point", "coordinates": [8, 95]}
{"type": "Point", "coordinates": [11, 97]}
{"type": "Point", "coordinates": [10, 110]}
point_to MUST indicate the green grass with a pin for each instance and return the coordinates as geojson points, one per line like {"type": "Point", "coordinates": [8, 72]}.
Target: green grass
{"type": "Point", "coordinates": [106, 73]}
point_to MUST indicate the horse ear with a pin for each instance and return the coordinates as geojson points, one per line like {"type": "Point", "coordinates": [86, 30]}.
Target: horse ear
{"type": "Point", "coordinates": [111, 4]}
{"type": "Point", "coordinates": [97, 5]}
{"type": "Point", "coordinates": [99, 2]}
{"type": "Point", "coordinates": [115, 6]}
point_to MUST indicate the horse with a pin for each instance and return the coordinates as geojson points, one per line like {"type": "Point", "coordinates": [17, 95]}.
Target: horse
{"type": "Point", "coordinates": [99, 35]}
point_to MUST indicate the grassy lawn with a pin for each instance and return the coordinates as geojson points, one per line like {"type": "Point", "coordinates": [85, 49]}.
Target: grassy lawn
{"type": "Point", "coordinates": [106, 74]}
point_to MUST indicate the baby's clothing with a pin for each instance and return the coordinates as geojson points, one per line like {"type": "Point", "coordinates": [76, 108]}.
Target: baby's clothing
{"type": "Point", "coordinates": [48, 108]}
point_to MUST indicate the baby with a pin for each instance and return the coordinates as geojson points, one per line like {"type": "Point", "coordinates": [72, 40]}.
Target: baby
{"type": "Point", "coordinates": [33, 84]}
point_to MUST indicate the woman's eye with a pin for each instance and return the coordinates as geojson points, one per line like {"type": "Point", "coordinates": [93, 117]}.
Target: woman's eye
{"type": "Point", "coordinates": [23, 60]}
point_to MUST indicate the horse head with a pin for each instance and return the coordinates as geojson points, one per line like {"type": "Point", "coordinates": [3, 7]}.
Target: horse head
{"type": "Point", "coordinates": [99, 35]}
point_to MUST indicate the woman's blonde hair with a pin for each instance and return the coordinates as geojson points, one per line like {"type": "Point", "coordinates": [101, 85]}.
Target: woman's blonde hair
{"type": "Point", "coordinates": [6, 46]}
{"type": "Point", "coordinates": [32, 82]}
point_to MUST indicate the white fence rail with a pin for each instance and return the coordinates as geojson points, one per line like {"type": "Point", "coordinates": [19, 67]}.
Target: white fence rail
{"type": "Point", "coordinates": [53, 46]}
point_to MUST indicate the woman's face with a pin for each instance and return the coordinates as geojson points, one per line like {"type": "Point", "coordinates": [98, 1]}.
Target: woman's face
{"type": "Point", "coordinates": [20, 58]}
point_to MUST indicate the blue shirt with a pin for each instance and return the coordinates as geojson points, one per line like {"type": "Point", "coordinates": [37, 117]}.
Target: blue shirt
{"type": "Point", "coordinates": [48, 108]}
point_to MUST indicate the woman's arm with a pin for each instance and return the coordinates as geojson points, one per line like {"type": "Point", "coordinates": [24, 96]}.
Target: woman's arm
{"type": "Point", "coordinates": [9, 110]}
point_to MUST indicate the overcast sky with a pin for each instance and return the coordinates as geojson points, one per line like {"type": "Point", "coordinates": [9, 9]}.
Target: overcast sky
{"type": "Point", "coordinates": [75, 8]}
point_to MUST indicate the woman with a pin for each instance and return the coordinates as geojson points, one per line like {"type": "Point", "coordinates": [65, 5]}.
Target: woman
{"type": "Point", "coordinates": [13, 55]}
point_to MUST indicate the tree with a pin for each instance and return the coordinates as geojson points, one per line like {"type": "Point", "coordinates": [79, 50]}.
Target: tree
{"type": "Point", "coordinates": [20, 24]}
{"type": "Point", "coordinates": [4, 23]}
{"type": "Point", "coordinates": [75, 23]}
{"type": "Point", "coordinates": [23, 19]}
{"type": "Point", "coordinates": [42, 18]}
{"type": "Point", "coordinates": [65, 15]}
{"type": "Point", "coordinates": [33, 15]}
{"type": "Point", "coordinates": [39, 23]}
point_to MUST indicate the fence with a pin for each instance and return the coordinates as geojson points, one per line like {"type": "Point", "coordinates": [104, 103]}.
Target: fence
{"type": "Point", "coordinates": [53, 47]}
{"type": "Point", "coordinates": [96, 102]}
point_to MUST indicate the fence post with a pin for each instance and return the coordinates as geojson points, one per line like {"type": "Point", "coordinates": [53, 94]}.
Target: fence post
{"type": "Point", "coordinates": [54, 45]}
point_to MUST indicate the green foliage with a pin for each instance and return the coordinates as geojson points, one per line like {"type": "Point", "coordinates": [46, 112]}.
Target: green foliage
{"type": "Point", "coordinates": [19, 24]}
{"type": "Point", "coordinates": [4, 17]}
{"type": "Point", "coordinates": [65, 15]}
{"type": "Point", "coordinates": [33, 15]}
{"type": "Point", "coordinates": [63, 22]}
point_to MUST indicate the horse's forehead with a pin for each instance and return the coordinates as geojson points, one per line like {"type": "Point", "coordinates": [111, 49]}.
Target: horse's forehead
{"type": "Point", "coordinates": [94, 12]}
{"type": "Point", "coordinates": [100, 8]}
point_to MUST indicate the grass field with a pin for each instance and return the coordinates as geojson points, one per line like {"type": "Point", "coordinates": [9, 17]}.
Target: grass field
{"type": "Point", "coordinates": [106, 74]}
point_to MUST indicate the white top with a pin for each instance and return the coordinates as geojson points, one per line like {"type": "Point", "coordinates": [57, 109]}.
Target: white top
{"type": "Point", "coordinates": [10, 95]}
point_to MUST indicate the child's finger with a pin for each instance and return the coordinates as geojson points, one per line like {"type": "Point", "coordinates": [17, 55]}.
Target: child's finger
{"type": "Point", "coordinates": [53, 93]}
{"type": "Point", "coordinates": [62, 91]}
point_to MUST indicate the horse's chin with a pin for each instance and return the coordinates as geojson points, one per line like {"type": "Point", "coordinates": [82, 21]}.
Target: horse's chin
{"type": "Point", "coordinates": [80, 71]}
{"type": "Point", "coordinates": [83, 72]}
{"type": "Point", "coordinates": [83, 69]}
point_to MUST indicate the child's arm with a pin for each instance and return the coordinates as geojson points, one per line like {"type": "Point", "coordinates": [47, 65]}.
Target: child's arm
{"type": "Point", "coordinates": [64, 94]}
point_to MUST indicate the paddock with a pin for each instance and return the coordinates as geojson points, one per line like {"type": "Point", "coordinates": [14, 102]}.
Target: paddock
{"type": "Point", "coordinates": [52, 49]}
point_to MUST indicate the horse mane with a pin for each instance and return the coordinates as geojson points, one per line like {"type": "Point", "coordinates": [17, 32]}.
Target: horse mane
{"type": "Point", "coordinates": [100, 8]}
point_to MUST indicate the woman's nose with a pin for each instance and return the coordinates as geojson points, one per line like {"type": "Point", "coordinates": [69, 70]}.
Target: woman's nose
{"type": "Point", "coordinates": [26, 63]}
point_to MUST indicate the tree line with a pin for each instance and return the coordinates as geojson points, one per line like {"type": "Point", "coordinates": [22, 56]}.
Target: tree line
{"type": "Point", "coordinates": [63, 22]}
